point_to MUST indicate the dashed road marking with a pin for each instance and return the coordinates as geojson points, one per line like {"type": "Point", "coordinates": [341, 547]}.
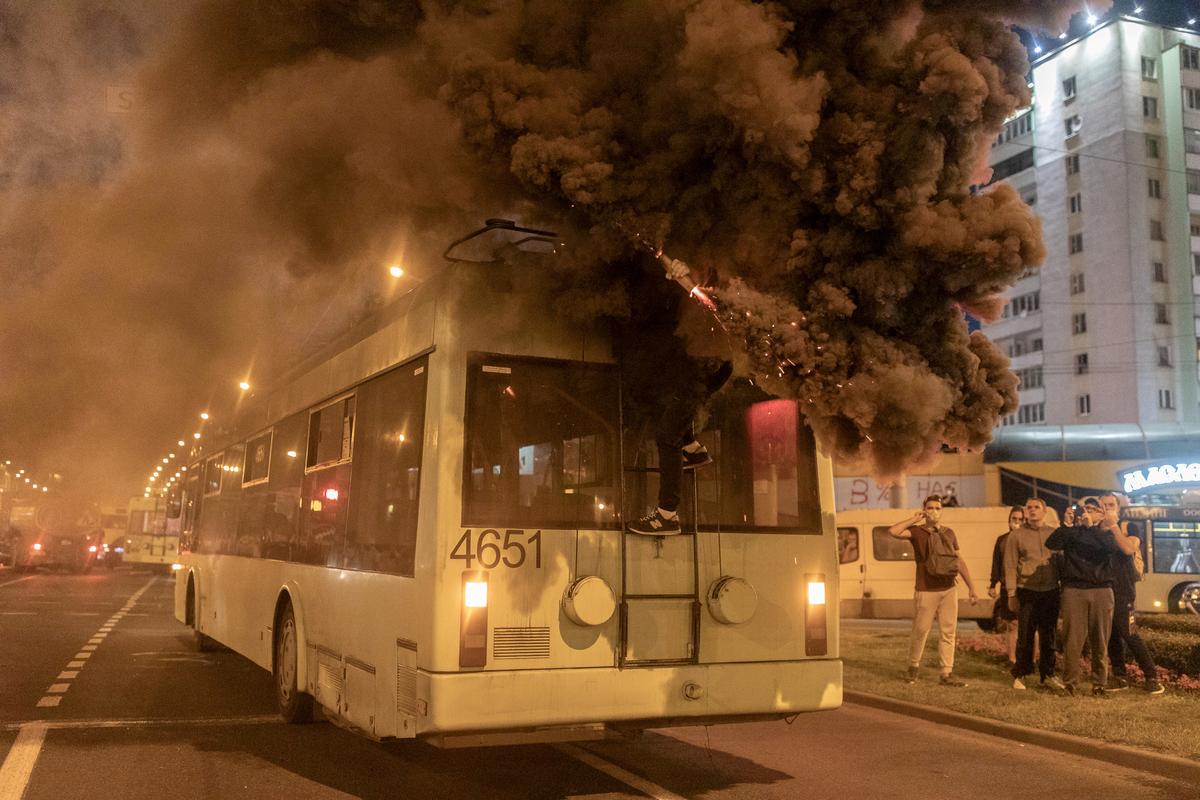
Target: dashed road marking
{"type": "Point", "coordinates": [55, 692]}
{"type": "Point", "coordinates": [19, 613]}
{"type": "Point", "coordinates": [18, 764]}
{"type": "Point", "coordinates": [17, 580]}
{"type": "Point", "coordinates": [89, 724]}
{"type": "Point", "coordinates": [620, 773]}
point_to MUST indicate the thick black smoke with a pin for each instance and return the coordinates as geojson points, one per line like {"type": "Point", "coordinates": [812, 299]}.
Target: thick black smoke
{"type": "Point", "coordinates": [812, 159]}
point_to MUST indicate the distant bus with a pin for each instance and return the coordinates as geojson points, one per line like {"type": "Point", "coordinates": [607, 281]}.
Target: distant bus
{"type": "Point", "coordinates": [114, 523]}
{"type": "Point", "coordinates": [424, 534]}
{"type": "Point", "coordinates": [52, 534]}
{"type": "Point", "coordinates": [1171, 550]}
{"type": "Point", "coordinates": [150, 539]}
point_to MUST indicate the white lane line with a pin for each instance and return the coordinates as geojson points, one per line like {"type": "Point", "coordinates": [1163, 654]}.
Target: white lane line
{"type": "Point", "coordinates": [68, 674]}
{"type": "Point", "coordinates": [75, 664]}
{"type": "Point", "coordinates": [49, 701]}
{"type": "Point", "coordinates": [19, 613]}
{"type": "Point", "coordinates": [18, 580]}
{"type": "Point", "coordinates": [88, 647]}
{"type": "Point", "coordinates": [81, 613]}
{"type": "Point", "coordinates": [83, 655]}
{"type": "Point", "coordinates": [623, 775]}
{"type": "Point", "coordinates": [83, 724]}
{"type": "Point", "coordinates": [58, 688]}
{"type": "Point", "coordinates": [18, 765]}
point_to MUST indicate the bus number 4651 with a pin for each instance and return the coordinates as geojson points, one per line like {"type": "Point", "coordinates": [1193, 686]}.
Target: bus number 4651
{"type": "Point", "coordinates": [491, 550]}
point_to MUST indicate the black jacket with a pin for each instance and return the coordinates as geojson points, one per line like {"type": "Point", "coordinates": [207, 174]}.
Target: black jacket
{"type": "Point", "coordinates": [1086, 561]}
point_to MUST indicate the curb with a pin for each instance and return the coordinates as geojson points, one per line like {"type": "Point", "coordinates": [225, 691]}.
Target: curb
{"type": "Point", "coordinates": [1175, 767]}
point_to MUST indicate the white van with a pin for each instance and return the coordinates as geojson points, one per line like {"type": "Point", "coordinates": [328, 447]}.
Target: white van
{"type": "Point", "coordinates": [877, 569]}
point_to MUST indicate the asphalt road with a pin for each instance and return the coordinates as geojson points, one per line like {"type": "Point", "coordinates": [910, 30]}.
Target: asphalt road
{"type": "Point", "coordinates": [144, 716]}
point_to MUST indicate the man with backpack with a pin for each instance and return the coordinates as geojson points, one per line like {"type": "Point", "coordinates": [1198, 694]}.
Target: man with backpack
{"type": "Point", "coordinates": [935, 551]}
{"type": "Point", "coordinates": [1125, 638]}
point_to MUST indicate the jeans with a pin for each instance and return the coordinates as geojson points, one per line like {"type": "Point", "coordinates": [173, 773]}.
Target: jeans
{"type": "Point", "coordinates": [1038, 616]}
{"type": "Point", "coordinates": [1126, 640]}
{"type": "Point", "coordinates": [1087, 616]}
{"type": "Point", "coordinates": [927, 605]}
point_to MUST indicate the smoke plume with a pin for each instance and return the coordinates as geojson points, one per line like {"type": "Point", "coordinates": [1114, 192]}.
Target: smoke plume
{"type": "Point", "coordinates": [810, 159]}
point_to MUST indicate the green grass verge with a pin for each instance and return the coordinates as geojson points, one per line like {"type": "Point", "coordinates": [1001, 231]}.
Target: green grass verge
{"type": "Point", "coordinates": [875, 661]}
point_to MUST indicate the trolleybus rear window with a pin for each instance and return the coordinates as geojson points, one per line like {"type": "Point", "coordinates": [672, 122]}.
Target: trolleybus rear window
{"type": "Point", "coordinates": [1176, 547]}
{"type": "Point", "coordinates": [541, 443]}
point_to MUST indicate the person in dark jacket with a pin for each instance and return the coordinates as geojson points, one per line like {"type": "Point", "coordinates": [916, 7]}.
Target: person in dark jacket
{"type": "Point", "coordinates": [1125, 639]}
{"type": "Point", "coordinates": [997, 588]}
{"type": "Point", "coordinates": [1087, 545]}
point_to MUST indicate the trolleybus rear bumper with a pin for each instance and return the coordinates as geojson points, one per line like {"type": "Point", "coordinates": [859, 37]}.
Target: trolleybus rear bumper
{"type": "Point", "coordinates": [634, 697]}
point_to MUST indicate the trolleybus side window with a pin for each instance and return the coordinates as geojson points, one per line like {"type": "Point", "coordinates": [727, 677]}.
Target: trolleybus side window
{"type": "Point", "coordinates": [888, 547]}
{"type": "Point", "coordinates": [212, 474]}
{"type": "Point", "coordinates": [282, 499]}
{"type": "Point", "coordinates": [257, 464]}
{"type": "Point", "coordinates": [1176, 547]}
{"type": "Point", "coordinates": [541, 444]}
{"type": "Point", "coordinates": [325, 493]}
{"type": "Point", "coordinates": [382, 534]}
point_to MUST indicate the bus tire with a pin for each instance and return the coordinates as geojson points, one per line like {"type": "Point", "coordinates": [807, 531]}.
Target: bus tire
{"type": "Point", "coordinates": [202, 643]}
{"type": "Point", "coordinates": [1174, 598]}
{"type": "Point", "coordinates": [295, 706]}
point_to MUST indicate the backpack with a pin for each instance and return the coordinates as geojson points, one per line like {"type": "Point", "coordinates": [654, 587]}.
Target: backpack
{"type": "Point", "coordinates": [941, 561]}
{"type": "Point", "coordinates": [1138, 565]}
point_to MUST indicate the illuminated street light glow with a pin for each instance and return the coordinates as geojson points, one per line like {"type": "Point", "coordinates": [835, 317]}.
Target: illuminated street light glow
{"type": "Point", "coordinates": [244, 386]}
{"type": "Point", "coordinates": [182, 443]}
{"type": "Point", "coordinates": [196, 435]}
{"type": "Point", "coordinates": [203, 415]}
{"type": "Point", "coordinates": [396, 271]}
{"type": "Point", "coordinates": [164, 460]}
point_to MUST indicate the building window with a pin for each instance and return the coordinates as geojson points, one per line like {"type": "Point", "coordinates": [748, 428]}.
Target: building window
{"type": "Point", "coordinates": [1012, 165]}
{"type": "Point", "coordinates": [1149, 69]}
{"type": "Point", "coordinates": [1194, 227]}
{"type": "Point", "coordinates": [1069, 88]}
{"type": "Point", "coordinates": [1077, 283]}
{"type": "Point", "coordinates": [1166, 398]}
{"type": "Point", "coordinates": [1160, 272]}
{"type": "Point", "coordinates": [1023, 304]}
{"type": "Point", "coordinates": [1074, 123]}
{"type": "Point", "coordinates": [1154, 187]}
{"type": "Point", "coordinates": [1156, 230]}
{"type": "Point", "coordinates": [1193, 181]}
{"type": "Point", "coordinates": [1196, 263]}
{"type": "Point", "coordinates": [1150, 107]}
{"type": "Point", "coordinates": [1075, 243]}
{"type": "Point", "coordinates": [1164, 355]}
{"type": "Point", "coordinates": [1083, 404]}
{"type": "Point", "coordinates": [1191, 140]}
{"type": "Point", "coordinates": [1072, 164]}
{"type": "Point", "coordinates": [1075, 203]}
{"type": "Point", "coordinates": [1015, 128]}
{"type": "Point", "coordinates": [1081, 364]}
{"type": "Point", "coordinates": [1192, 98]}
{"type": "Point", "coordinates": [1151, 146]}
{"type": "Point", "coordinates": [1030, 377]}
{"type": "Point", "coordinates": [1035, 346]}
{"type": "Point", "coordinates": [1189, 57]}
{"type": "Point", "coordinates": [1078, 323]}
{"type": "Point", "coordinates": [1160, 314]}
{"type": "Point", "coordinates": [1031, 414]}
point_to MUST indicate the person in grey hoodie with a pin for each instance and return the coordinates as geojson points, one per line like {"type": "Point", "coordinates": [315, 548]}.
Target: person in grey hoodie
{"type": "Point", "coordinates": [1028, 567]}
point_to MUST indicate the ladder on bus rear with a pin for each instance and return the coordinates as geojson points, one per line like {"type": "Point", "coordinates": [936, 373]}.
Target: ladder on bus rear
{"type": "Point", "coordinates": [660, 589]}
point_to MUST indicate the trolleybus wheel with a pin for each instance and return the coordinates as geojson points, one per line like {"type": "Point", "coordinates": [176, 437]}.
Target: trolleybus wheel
{"type": "Point", "coordinates": [202, 643]}
{"type": "Point", "coordinates": [295, 706]}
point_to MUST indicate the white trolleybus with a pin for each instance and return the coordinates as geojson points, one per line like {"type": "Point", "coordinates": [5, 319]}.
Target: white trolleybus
{"type": "Point", "coordinates": [152, 538]}
{"type": "Point", "coordinates": [423, 535]}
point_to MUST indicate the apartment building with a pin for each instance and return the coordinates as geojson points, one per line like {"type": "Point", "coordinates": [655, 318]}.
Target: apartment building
{"type": "Point", "coordinates": [1109, 157]}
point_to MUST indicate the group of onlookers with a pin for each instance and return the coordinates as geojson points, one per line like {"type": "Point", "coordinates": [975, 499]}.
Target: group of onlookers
{"type": "Point", "coordinates": [1084, 571]}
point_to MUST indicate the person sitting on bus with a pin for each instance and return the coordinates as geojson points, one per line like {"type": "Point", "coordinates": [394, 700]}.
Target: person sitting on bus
{"type": "Point", "coordinates": [998, 588]}
{"type": "Point", "coordinates": [1029, 569]}
{"type": "Point", "coordinates": [1125, 638]}
{"type": "Point", "coordinates": [1087, 545]}
{"type": "Point", "coordinates": [936, 595]}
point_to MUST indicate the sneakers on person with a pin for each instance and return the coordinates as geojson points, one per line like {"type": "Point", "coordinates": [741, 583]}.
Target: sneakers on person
{"type": "Point", "coordinates": [655, 524]}
{"type": "Point", "coordinates": [693, 459]}
{"type": "Point", "coordinates": [950, 680]}
{"type": "Point", "coordinates": [1154, 687]}
{"type": "Point", "coordinates": [911, 676]}
{"type": "Point", "coordinates": [1018, 684]}
{"type": "Point", "coordinates": [1054, 683]}
{"type": "Point", "coordinates": [1117, 684]}
{"type": "Point", "coordinates": [1099, 691]}
{"type": "Point", "coordinates": [1069, 688]}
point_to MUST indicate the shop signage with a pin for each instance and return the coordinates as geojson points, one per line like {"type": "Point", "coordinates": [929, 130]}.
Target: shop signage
{"type": "Point", "coordinates": [1145, 477]}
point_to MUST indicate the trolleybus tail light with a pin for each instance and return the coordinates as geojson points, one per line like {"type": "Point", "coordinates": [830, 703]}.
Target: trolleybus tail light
{"type": "Point", "coordinates": [816, 639]}
{"type": "Point", "coordinates": [473, 632]}
{"type": "Point", "coordinates": [92, 548]}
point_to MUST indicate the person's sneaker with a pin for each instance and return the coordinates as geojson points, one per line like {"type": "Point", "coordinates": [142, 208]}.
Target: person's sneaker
{"type": "Point", "coordinates": [1069, 688]}
{"type": "Point", "coordinates": [1154, 687]}
{"type": "Point", "coordinates": [1018, 683]}
{"type": "Point", "coordinates": [1099, 691]}
{"type": "Point", "coordinates": [1117, 684]}
{"type": "Point", "coordinates": [695, 459]}
{"type": "Point", "coordinates": [1054, 683]}
{"type": "Point", "coordinates": [950, 680]}
{"type": "Point", "coordinates": [655, 524]}
{"type": "Point", "coordinates": [911, 675]}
